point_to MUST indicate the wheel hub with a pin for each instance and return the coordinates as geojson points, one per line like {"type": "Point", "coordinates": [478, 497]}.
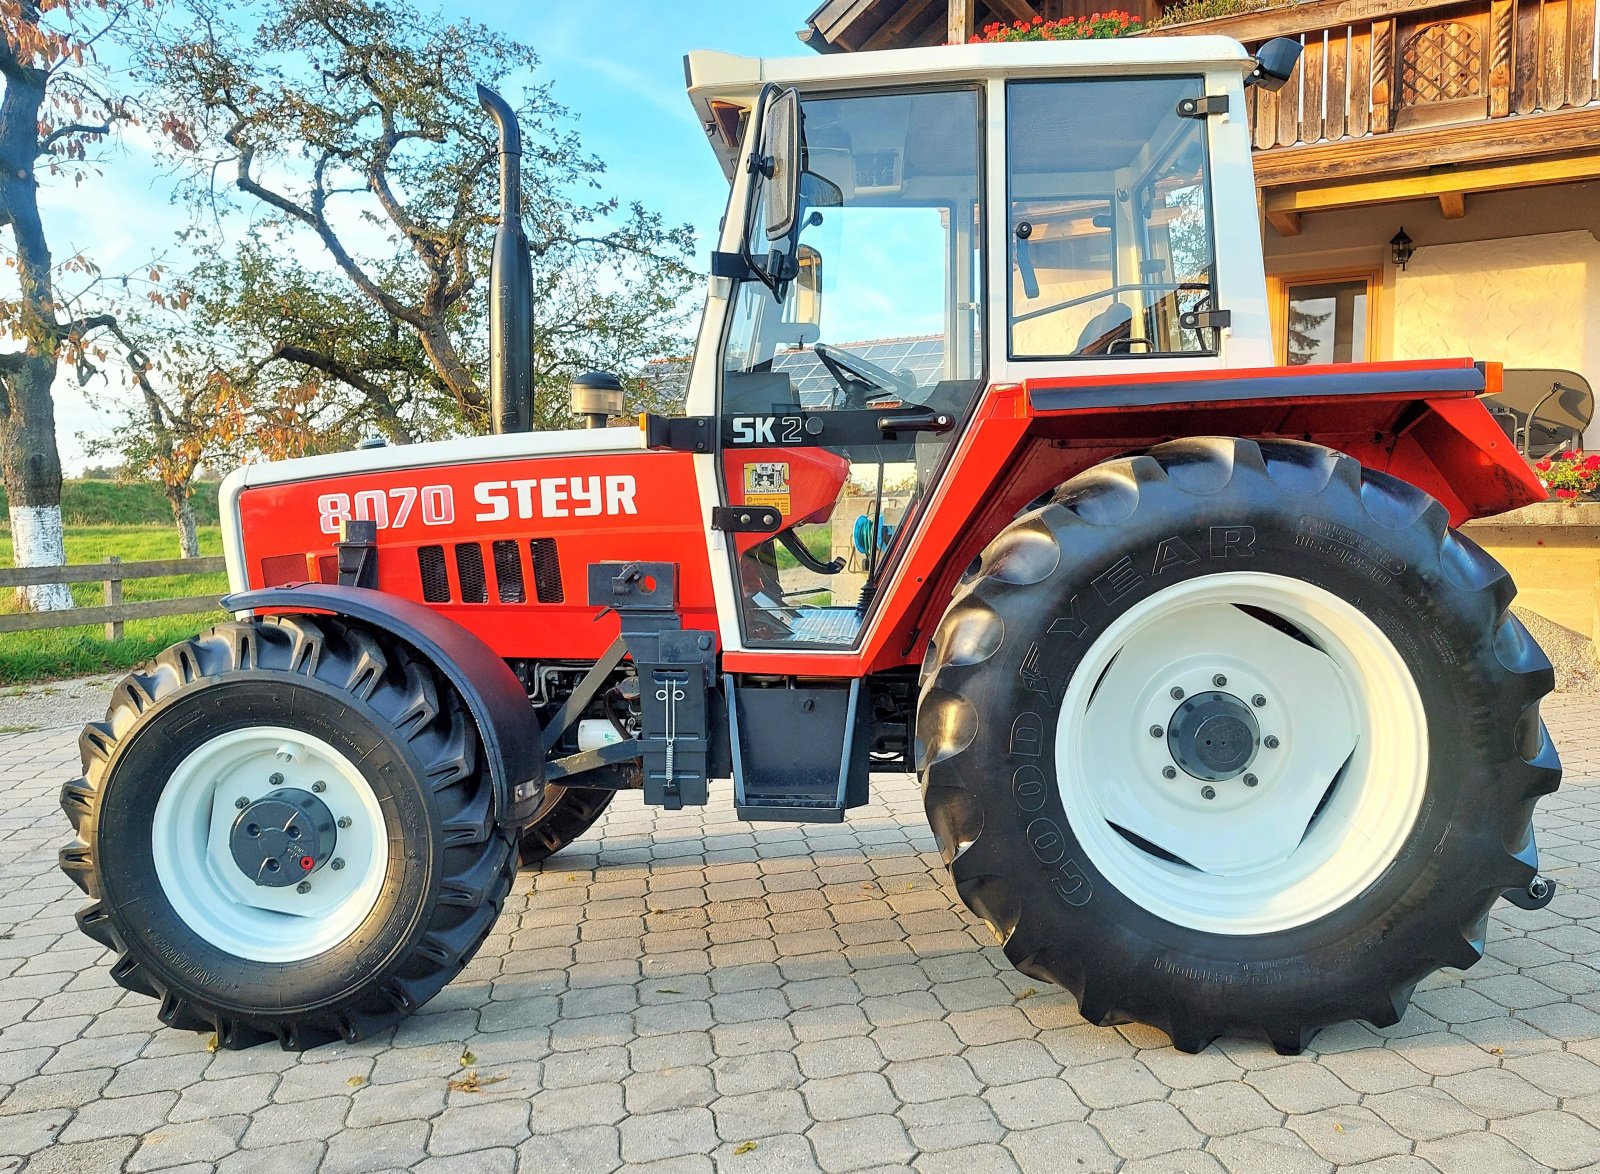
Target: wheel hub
{"type": "Point", "coordinates": [283, 838]}
{"type": "Point", "coordinates": [1213, 736]}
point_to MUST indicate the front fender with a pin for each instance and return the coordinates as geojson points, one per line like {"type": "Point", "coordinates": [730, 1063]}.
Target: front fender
{"type": "Point", "coordinates": [494, 696]}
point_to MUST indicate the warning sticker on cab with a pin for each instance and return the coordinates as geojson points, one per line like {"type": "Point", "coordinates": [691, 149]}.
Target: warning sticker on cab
{"type": "Point", "coordinates": [766, 483]}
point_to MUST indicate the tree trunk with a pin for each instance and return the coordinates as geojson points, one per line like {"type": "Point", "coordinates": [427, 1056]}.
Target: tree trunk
{"type": "Point", "coordinates": [183, 515]}
{"type": "Point", "coordinates": [32, 469]}
{"type": "Point", "coordinates": [28, 456]}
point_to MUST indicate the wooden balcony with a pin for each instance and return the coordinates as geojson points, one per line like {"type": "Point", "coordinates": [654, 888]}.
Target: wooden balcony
{"type": "Point", "coordinates": [1405, 98]}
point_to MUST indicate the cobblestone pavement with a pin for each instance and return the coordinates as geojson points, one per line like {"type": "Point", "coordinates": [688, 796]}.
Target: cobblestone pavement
{"type": "Point", "coordinates": [686, 992]}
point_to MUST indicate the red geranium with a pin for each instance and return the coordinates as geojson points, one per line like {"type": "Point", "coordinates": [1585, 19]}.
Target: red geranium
{"type": "Point", "coordinates": [1096, 26]}
{"type": "Point", "coordinates": [1569, 475]}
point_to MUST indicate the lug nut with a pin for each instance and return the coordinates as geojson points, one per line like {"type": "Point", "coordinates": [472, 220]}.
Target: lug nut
{"type": "Point", "coordinates": [303, 887]}
{"type": "Point", "coordinates": [241, 803]}
{"type": "Point", "coordinates": [1258, 700]}
{"type": "Point", "coordinates": [1219, 680]}
{"type": "Point", "coordinates": [319, 786]}
{"type": "Point", "coordinates": [344, 821]}
{"type": "Point", "coordinates": [1250, 780]}
{"type": "Point", "coordinates": [1208, 792]}
{"type": "Point", "coordinates": [1169, 772]}
{"type": "Point", "coordinates": [1176, 694]}
{"type": "Point", "coordinates": [1156, 731]}
{"type": "Point", "coordinates": [276, 780]}
{"type": "Point", "coordinates": [336, 864]}
{"type": "Point", "coordinates": [1270, 741]}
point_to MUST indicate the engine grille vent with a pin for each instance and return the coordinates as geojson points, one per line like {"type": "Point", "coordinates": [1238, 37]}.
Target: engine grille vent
{"type": "Point", "coordinates": [469, 569]}
{"type": "Point", "coordinates": [435, 583]}
{"type": "Point", "coordinates": [510, 583]}
{"type": "Point", "coordinates": [508, 572]}
{"type": "Point", "coordinates": [546, 570]}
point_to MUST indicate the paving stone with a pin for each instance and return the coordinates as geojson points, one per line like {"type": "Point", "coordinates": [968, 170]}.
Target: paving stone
{"type": "Point", "coordinates": [951, 1124]}
{"type": "Point", "coordinates": [1348, 1134]}
{"type": "Point", "coordinates": [397, 1146]}
{"type": "Point", "coordinates": [760, 1114]}
{"type": "Point", "coordinates": [204, 1141]}
{"type": "Point", "coordinates": [132, 1116]}
{"type": "Point", "coordinates": [1225, 1108]}
{"type": "Point", "coordinates": [1034, 1103]}
{"type": "Point", "coordinates": [672, 1134]}
{"type": "Point", "coordinates": [1111, 1083]}
{"type": "Point", "coordinates": [1423, 1113]}
{"type": "Point", "coordinates": [855, 1095]}
{"type": "Point", "coordinates": [1269, 1151]}
{"type": "Point", "coordinates": [1495, 1092]}
{"type": "Point", "coordinates": [670, 1088]}
{"type": "Point", "coordinates": [1477, 1153]}
{"type": "Point", "coordinates": [1302, 1087]}
{"type": "Point", "coordinates": [74, 1158]}
{"type": "Point", "coordinates": [1071, 1146]}
{"type": "Point", "coordinates": [1559, 1140]}
{"type": "Point", "coordinates": [590, 1149]}
{"type": "Point", "coordinates": [758, 1072]}
{"type": "Point", "coordinates": [464, 1128]}
{"type": "Point", "coordinates": [860, 1142]}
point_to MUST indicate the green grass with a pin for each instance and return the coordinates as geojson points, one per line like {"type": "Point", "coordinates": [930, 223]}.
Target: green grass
{"type": "Point", "coordinates": [72, 652]}
{"type": "Point", "coordinates": [125, 503]}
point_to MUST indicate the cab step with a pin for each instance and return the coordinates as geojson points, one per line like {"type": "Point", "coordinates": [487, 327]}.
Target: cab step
{"type": "Point", "coordinates": [799, 748]}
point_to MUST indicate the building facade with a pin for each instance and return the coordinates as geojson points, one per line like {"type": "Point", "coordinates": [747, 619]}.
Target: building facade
{"type": "Point", "coordinates": [1466, 133]}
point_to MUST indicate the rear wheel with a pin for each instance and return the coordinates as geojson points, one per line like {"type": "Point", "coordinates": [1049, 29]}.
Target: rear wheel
{"type": "Point", "coordinates": [564, 815]}
{"type": "Point", "coordinates": [287, 832]}
{"type": "Point", "coordinates": [1235, 738]}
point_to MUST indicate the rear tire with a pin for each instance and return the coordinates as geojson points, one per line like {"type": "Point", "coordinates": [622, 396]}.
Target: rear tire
{"type": "Point", "coordinates": [364, 737]}
{"type": "Point", "coordinates": [564, 815]}
{"type": "Point", "coordinates": [1047, 727]}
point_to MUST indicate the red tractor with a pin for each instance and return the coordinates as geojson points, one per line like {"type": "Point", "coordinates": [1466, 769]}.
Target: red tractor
{"type": "Point", "coordinates": [1220, 723]}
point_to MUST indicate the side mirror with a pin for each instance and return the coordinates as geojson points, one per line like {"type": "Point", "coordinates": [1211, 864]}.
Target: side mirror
{"type": "Point", "coordinates": [1275, 62]}
{"type": "Point", "coordinates": [780, 151]}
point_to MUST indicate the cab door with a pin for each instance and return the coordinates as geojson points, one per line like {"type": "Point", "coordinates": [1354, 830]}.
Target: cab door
{"type": "Point", "coordinates": [842, 391]}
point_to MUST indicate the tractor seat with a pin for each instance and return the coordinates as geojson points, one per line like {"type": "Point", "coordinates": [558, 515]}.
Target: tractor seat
{"type": "Point", "coordinates": [1106, 328]}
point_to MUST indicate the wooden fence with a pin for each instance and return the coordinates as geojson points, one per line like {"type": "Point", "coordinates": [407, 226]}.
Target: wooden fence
{"type": "Point", "coordinates": [114, 612]}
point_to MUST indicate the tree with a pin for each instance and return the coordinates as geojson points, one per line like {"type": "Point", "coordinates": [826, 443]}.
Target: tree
{"type": "Point", "coordinates": [56, 106]}
{"type": "Point", "coordinates": [346, 120]}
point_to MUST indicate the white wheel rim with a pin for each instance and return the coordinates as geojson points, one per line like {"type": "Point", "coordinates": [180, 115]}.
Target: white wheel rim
{"type": "Point", "coordinates": [215, 897]}
{"type": "Point", "coordinates": [1333, 802]}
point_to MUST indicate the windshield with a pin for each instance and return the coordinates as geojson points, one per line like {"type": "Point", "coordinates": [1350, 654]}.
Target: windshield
{"type": "Point", "coordinates": [887, 250]}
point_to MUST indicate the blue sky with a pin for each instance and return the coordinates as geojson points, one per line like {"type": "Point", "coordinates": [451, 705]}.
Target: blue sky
{"type": "Point", "coordinates": [621, 73]}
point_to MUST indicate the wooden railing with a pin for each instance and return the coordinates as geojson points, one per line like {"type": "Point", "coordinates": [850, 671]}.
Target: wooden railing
{"type": "Point", "coordinates": [1372, 67]}
{"type": "Point", "coordinates": [114, 612]}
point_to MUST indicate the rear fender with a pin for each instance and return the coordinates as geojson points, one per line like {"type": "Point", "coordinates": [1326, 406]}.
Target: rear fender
{"type": "Point", "coordinates": [507, 727]}
{"type": "Point", "coordinates": [1457, 452]}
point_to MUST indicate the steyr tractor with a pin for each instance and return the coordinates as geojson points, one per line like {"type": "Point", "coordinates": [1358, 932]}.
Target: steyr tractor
{"type": "Point", "coordinates": [985, 471]}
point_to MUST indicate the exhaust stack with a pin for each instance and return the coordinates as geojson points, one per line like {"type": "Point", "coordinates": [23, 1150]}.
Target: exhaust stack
{"type": "Point", "coordinates": [510, 285]}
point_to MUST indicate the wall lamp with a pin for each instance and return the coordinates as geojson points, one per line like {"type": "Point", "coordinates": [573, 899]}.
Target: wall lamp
{"type": "Point", "coordinates": [1401, 246]}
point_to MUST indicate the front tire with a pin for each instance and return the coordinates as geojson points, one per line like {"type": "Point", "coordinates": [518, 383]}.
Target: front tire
{"type": "Point", "coordinates": [287, 831]}
{"type": "Point", "coordinates": [1235, 738]}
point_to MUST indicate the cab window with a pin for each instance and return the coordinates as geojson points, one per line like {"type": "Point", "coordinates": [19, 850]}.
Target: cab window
{"type": "Point", "coordinates": [1110, 224]}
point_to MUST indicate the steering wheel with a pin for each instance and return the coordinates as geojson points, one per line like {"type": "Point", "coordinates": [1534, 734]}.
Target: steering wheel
{"type": "Point", "coordinates": [860, 378]}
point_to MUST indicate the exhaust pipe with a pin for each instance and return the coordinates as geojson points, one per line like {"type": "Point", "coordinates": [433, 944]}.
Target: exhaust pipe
{"type": "Point", "coordinates": [510, 284]}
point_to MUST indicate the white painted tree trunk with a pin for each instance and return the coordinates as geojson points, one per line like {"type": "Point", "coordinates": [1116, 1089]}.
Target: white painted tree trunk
{"type": "Point", "coordinates": [38, 540]}
{"type": "Point", "coordinates": [188, 540]}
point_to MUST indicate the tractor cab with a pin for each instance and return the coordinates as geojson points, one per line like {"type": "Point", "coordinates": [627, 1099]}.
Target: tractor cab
{"type": "Point", "coordinates": [890, 250]}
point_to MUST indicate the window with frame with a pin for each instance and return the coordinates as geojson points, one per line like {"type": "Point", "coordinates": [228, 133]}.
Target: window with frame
{"type": "Point", "coordinates": [1111, 234]}
{"type": "Point", "coordinates": [1326, 318]}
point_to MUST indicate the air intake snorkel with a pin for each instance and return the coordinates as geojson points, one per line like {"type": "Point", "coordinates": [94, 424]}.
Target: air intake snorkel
{"type": "Point", "coordinates": [510, 285]}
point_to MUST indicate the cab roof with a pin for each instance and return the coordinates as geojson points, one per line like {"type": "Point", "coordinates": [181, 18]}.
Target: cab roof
{"type": "Point", "coordinates": [723, 85]}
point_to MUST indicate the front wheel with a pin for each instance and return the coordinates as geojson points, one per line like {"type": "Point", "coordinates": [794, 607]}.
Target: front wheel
{"type": "Point", "coordinates": [1235, 738]}
{"type": "Point", "coordinates": [287, 832]}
